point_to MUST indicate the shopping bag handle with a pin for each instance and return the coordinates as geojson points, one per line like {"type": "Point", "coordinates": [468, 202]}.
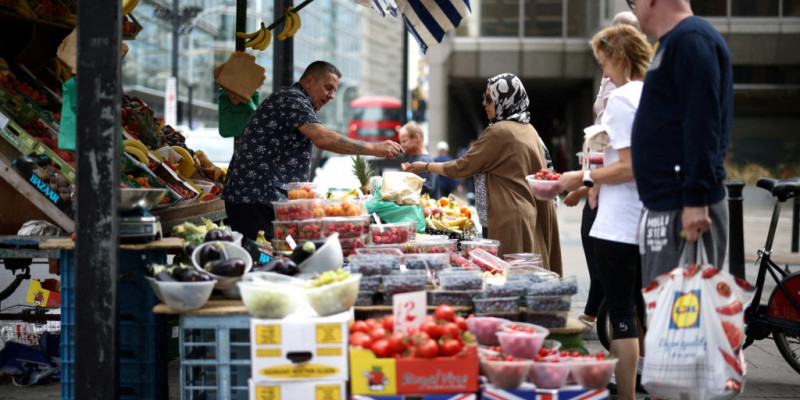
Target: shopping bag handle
{"type": "Point", "coordinates": [694, 253]}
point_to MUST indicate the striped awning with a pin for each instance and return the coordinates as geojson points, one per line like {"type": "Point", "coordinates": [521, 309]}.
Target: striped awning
{"type": "Point", "coordinates": [427, 20]}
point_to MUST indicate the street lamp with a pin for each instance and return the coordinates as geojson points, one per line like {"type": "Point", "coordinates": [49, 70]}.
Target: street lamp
{"type": "Point", "coordinates": [178, 17]}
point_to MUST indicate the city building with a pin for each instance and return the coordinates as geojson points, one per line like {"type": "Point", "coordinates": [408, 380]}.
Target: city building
{"type": "Point", "coordinates": [545, 43]}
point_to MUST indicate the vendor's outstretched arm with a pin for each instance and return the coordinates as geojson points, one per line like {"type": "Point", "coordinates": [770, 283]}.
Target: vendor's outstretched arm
{"type": "Point", "coordinates": [329, 140]}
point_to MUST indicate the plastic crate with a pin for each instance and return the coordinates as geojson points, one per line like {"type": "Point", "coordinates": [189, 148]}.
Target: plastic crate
{"type": "Point", "coordinates": [139, 346]}
{"type": "Point", "coordinates": [215, 356]}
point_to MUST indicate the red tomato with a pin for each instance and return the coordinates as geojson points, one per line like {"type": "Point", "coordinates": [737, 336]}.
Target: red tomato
{"type": "Point", "coordinates": [451, 330]}
{"type": "Point", "coordinates": [360, 339]}
{"type": "Point", "coordinates": [388, 323]}
{"type": "Point", "coordinates": [370, 323]}
{"type": "Point", "coordinates": [444, 313]}
{"type": "Point", "coordinates": [433, 329]}
{"type": "Point", "coordinates": [461, 322]}
{"type": "Point", "coordinates": [377, 333]}
{"type": "Point", "coordinates": [397, 342]}
{"type": "Point", "coordinates": [450, 347]}
{"type": "Point", "coordinates": [381, 348]}
{"type": "Point", "coordinates": [359, 326]}
{"type": "Point", "coordinates": [428, 350]}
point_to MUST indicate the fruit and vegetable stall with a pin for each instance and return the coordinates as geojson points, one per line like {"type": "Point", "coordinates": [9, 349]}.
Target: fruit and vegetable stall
{"type": "Point", "coordinates": [401, 313]}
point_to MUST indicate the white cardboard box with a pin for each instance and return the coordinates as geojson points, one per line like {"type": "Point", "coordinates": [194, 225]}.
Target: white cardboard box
{"type": "Point", "coordinates": [299, 348]}
{"type": "Point", "coordinates": [321, 389]}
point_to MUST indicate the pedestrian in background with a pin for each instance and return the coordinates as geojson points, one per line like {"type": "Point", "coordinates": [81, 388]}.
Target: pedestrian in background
{"type": "Point", "coordinates": [411, 138]}
{"type": "Point", "coordinates": [446, 185]}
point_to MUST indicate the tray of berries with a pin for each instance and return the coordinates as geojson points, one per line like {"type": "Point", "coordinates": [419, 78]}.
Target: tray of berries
{"type": "Point", "coordinates": [309, 229]}
{"type": "Point", "coordinates": [374, 264]}
{"type": "Point", "coordinates": [530, 272]}
{"type": "Point", "coordinates": [347, 227]}
{"type": "Point", "coordinates": [544, 184]}
{"type": "Point", "coordinates": [296, 210]}
{"type": "Point", "coordinates": [486, 305]}
{"type": "Point", "coordinates": [505, 371]}
{"type": "Point", "coordinates": [461, 298]}
{"type": "Point", "coordinates": [485, 329]}
{"type": "Point", "coordinates": [522, 340]}
{"type": "Point", "coordinates": [370, 283]}
{"type": "Point", "coordinates": [404, 281]}
{"type": "Point", "coordinates": [457, 261]}
{"type": "Point", "coordinates": [548, 303]}
{"type": "Point", "coordinates": [509, 288]}
{"type": "Point", "coordinates": [429, 262]}
{"type": "Point", "coordinates": [547, 319]}
{"type": "Point", "coordinates": [349, 246]}
{"type": "Point", "coordinates": [432, 246]}
{"type": "Point", "coordinates": [459, 279]}
{"type": "Point", "coordinates": [491, 246]}
{"type": "Point", "coordinates": [365, 298]}
{"type": "Point", "coordinates": [282, 229]}
{"type": "Point", "coordinates": [487, 262]}
{"type": "Point", "coordinates": [562, 287]}
{"type": "Point", "coordinates": [391, 233]}
{"type": "Point", "coordinates": [391, 249]}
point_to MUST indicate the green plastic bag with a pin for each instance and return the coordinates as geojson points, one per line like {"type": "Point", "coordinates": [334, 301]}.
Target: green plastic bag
{"type": "Point", "coordinates": [388, 211]}
{"type": "Point", "coordinates": [232, 118]}
{"type": "Point", "coordinates": [67, 126]}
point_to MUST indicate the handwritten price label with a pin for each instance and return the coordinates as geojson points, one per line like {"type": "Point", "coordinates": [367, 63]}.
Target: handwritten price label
{"type": "Point", "coordinates": [409, 310]}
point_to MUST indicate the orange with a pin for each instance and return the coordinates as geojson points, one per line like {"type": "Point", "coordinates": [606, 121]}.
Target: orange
{"type": "Point", "coordinates": [444, 202]}
{"type": "Point", "coordinates": [293, 195]}
{"type": "Point", "coordinates": [346, 204]}
{"type": "Point", "coordinates": [352, 211]}
{"type": "Point", "coordinates": [338, 211]}
{"type": "Point", "coordinates": [302, 194]}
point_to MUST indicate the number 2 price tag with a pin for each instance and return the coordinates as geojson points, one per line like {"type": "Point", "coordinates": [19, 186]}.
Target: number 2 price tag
{"type": "Point", "coordinates": [409, 310]}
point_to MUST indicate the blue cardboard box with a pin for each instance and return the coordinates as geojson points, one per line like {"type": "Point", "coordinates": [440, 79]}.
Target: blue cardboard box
{"type": "Point", "coordinates": [529, 392]}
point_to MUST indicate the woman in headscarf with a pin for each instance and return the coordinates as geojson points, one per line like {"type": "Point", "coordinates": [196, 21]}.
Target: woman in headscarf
{"type": "Point", "coordinates": [508, 150]}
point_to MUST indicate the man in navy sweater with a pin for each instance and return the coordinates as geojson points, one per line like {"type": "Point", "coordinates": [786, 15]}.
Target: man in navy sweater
{"type": "Point", "coordinates": [680, 136]}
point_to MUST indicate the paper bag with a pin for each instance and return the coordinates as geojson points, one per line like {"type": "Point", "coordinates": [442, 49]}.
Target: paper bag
{"type": "Point", "coordinates": [403, 188]}
{"type": "Point", "coordinates": [241, 76]}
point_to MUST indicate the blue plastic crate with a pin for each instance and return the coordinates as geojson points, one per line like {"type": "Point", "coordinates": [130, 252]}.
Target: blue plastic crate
{"type": "Point", "coordinates": [215, 356]}
{"type": "Point", "coordinates": [138, 351]}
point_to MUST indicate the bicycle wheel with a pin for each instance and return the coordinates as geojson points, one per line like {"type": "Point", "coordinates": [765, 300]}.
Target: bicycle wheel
{"type": "Point", "coordinates": [603, 326]}
{"type": "Point", "coordinates": [789, 346]}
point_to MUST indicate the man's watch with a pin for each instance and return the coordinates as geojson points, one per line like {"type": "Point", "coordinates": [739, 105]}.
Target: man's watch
{"type": "Point", "coordinates": [587, 179]}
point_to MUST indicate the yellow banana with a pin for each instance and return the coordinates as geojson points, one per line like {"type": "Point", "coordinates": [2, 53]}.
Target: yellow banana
{"type": "Point", "coordinates": [250, 35]}
{"type": "Point", "coordinates": [135, 143]}
{"type": "Point", "coordinates": [287, 25]}
{"type": "Point", "coordinates": [133, 151]}
{"type": "Point", "coordinates": [71, 18]}
{"type": "Point", "coordinates": [128, 6]}
{"type": "Point", "coordinates": [264, 42]}
{"type": "Point", "coordinates": [295, 21]}
{"type": "Point", "coordinates": [261, 35]}
{"type": "Point", "coordinates": [456, 222]}
{"type": "Point", "coordinates": [184, 153]}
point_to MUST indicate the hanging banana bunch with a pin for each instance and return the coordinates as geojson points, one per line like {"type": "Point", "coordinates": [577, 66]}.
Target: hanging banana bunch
{"type": "Point", "coordinates": [291, 23]}
{"type": "Point", "coordinates": [128, 6]}
{"type": "Point", "coordinates": [258, 40]}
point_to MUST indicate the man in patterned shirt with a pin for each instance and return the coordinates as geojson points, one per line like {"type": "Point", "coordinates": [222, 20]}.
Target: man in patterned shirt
{"type": "Point", "coordinates": [275, 148]}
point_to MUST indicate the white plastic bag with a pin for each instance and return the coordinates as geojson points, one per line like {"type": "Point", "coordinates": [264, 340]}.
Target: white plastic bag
{"type": "Point", "coordinates": [695, 326]}
{"type": "Point", "coordinates": [403, 188]}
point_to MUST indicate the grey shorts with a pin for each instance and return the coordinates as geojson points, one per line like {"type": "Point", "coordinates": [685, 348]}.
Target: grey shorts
{"type": "Point", "coordinates": [661, 244]}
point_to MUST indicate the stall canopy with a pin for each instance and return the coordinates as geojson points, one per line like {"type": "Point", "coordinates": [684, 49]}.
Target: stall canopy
{"type": "Point", "coordinates": [427, 20]}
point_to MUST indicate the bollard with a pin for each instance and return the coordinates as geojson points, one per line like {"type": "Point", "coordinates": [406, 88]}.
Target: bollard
{"type": "Point", "coordinates": [735, 228]}
{"type": "Point", "coordinates": [796, 225]}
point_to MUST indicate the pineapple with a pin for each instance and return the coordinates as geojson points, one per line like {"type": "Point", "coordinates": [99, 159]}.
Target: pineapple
{"type": "Point", "coordinates": [362, 169]}
{"type": "Point", "coordinates": [146, 127]}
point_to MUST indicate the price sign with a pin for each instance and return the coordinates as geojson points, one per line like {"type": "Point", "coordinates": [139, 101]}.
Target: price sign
{"type": "Point", "coordinates": [290, 241]}
{"type": "Point", "coordinates": [3, 121]}
{"type": "Point", "coordinates": [409, 310]}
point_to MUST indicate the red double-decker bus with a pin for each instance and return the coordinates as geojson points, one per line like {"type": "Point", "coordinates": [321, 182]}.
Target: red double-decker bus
{"type": "Point", "coordinates": [376, 118]}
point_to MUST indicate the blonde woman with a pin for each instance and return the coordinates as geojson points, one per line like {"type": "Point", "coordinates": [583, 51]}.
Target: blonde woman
{"type": "Point", "coordinates": [624, 54]}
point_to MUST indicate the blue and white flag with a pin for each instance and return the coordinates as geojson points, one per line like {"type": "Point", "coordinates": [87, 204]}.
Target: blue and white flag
{"type": "Point", "coordinates": [427, 20]}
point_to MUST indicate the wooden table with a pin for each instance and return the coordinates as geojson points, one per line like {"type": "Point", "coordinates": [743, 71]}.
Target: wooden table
{"type": "Point", "coordinates": [212, 307]}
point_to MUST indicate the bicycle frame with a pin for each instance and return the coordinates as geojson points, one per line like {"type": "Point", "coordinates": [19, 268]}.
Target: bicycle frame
{"type": "Point", "coordinates": [759, 323]}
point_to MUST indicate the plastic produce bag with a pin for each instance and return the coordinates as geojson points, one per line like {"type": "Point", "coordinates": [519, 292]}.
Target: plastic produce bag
{"type": "Point", "coordinates": [67, 126]}
{"type": "Point", "coordinates": [402, 188]}
{"type": "Point", "coordinates": [388, 211]}
{"type": "Point", "coordinates": [233, 117]}
{"type": "Point", "coordinates": [695, 326]}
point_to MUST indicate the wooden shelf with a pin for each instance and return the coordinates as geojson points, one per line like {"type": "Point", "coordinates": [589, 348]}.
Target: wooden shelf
{"type": "Point", "coordinates": [170, 217]}
{"type": "Point", "coordinates": [212, 307]}
{"type": "Point", "coordinates": [170, 243]}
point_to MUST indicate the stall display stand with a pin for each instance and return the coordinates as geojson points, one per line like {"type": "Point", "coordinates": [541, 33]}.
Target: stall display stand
{"type": "Point", "coordinates": [142, 352]}
{"type": "Point", "coordinates": [214, 350]}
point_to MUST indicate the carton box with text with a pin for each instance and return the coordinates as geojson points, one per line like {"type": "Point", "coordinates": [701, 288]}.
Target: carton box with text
{"type": "Point", "coordinates": [299, 348]}
{"type": "Point", "coordinates": [318, 389]}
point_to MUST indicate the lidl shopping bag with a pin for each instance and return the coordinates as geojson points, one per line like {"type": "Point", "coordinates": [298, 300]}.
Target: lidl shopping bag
{"type": "Point", "coordinates": [695, 326]}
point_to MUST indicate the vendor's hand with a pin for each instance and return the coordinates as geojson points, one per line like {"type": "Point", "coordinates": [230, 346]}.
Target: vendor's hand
{"type": "Point", "coordinates": [570, 181]}
{"type": "Point", "coordinates": [388, 149]}
{"type": "Point", "coordinates": [695, 221]}
{"type": "Point", "coordinates": [415, 167]}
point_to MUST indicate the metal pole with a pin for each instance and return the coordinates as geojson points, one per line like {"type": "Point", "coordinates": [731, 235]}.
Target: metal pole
{"type": "Point", "coordinates": [283, 53]}
{"type": "Point", "coordinates": [735, 228]}
{"type": "Point", "coordinates": [241, 22]}
{"type": "Point", "coordinates": [796, 224]}
{"type": "Point", "coordinates": [404, 89]}
{"type": "Point", "coordinates": [176, 21]}
{"type": "Point", "coordinates": [97, 255]}
{"type": "Point", "coordinates": [190, 84]}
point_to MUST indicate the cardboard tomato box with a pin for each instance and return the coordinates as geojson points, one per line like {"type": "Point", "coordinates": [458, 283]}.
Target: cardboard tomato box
{"type": "Point", "coordinates": [370, 375]}
{"type": "Point", "coordinates": [318, 389]}
{"type": "Point", "coordinates": [527, 391]}
{"type": "Point", "coordinates": [292, 349]}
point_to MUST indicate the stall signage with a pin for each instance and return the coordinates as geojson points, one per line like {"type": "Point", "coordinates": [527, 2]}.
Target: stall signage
{"type": "Point", "coordinates": [409, 310]}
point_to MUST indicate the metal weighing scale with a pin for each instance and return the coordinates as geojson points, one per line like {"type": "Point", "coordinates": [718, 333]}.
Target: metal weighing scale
{"type": "Point", "coordinates": [136, 224]}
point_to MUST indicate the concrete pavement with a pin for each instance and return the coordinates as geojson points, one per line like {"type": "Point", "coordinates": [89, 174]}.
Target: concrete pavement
{"type": "Point", "coordinates": [768, 375]}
